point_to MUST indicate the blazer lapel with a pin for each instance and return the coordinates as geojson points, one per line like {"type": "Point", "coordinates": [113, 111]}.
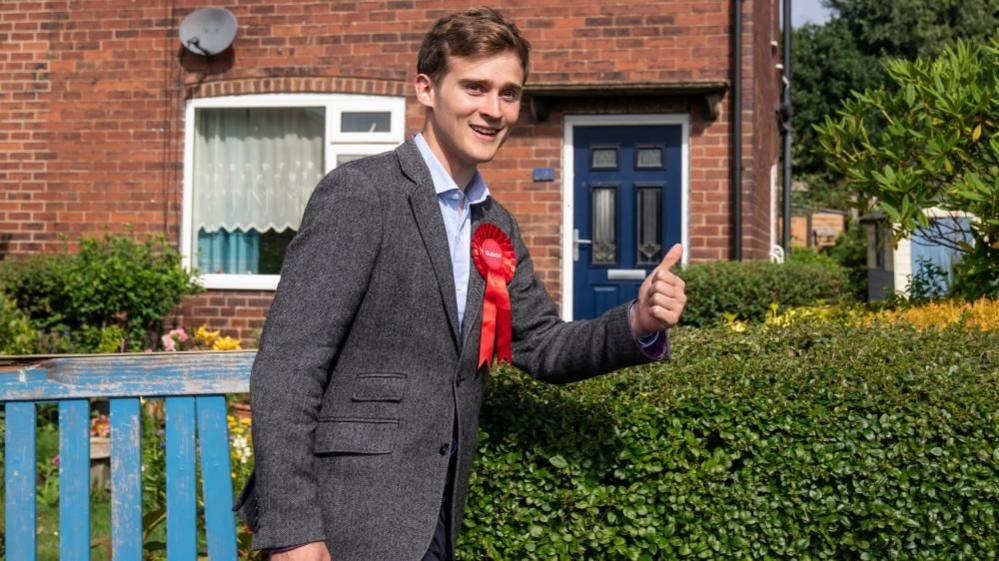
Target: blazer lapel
{"type": "Point", "coordinates": [426, 210]}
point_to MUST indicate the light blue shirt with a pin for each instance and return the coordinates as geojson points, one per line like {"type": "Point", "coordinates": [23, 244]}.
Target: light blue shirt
{"type": "Point", "coordinates": [456, 210]}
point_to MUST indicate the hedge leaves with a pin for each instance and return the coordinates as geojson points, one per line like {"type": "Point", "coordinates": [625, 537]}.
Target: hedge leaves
{"type": "Point", "coordinates": [814, 441]}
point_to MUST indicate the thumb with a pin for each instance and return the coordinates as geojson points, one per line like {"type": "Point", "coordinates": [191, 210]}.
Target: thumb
{"type": "Point", "coordinates": [672, 258]}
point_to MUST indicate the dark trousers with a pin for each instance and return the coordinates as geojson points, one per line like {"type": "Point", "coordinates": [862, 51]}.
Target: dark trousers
{"type": "Point", "coordinates": [439, 546]}
{"type": "Point", "coordinates": [438, 550]}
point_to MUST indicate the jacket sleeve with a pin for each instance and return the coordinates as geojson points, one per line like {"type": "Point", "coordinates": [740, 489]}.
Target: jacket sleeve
{"type": "Point", "coordinates": [556, 351]}
{"type": "Point", "coordinates": [323, 280]}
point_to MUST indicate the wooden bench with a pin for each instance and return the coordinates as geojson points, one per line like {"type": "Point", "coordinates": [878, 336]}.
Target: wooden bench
{"type": "Point", "coordinates": [193, 386]}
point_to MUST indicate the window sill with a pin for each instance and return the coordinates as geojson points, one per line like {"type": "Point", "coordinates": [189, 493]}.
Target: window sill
{"type": "Point", "coordinates": [239, 282]}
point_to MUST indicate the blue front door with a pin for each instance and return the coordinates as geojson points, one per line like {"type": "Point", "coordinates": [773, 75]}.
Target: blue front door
{"type": "Point", "coordinates": [627, 197]}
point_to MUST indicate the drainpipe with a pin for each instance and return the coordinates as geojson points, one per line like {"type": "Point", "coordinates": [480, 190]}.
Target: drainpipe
{"type": "Point", "coordinates": [786, 114]}
{"type": "Point", "coordinates": [737, 130]}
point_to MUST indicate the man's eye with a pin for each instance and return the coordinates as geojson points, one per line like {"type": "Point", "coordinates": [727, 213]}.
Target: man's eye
{"type": "Point", "coordinates": [474, 88]}
{"type": "Point", "coordinates": [511, 95]}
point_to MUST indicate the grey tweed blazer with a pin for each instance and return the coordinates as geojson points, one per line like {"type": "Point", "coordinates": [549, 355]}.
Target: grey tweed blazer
{"type": "Point", "coordinates": [361, 367]}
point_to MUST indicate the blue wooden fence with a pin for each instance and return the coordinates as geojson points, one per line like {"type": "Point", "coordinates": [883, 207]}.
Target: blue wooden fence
{"type": "Point", "coordinates": [193, 386]}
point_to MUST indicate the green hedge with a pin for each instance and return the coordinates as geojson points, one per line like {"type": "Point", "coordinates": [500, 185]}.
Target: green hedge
{"type": "Point", "coordinates": [748, 289]}
{"type": "Point", "coordinates": [808, 442]}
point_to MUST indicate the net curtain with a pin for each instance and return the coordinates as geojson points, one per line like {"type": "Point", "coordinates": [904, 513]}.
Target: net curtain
{"type": "Point", "coordinates": [254, 170]}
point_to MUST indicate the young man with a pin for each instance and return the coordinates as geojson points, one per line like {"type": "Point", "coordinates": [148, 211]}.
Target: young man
{"type": "Point", "coordinates": [367, 385]}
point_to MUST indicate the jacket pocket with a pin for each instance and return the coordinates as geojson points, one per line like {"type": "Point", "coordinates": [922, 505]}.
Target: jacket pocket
{"type": "Point", "coordinates": [350, 435]}
{"type": "Point", "coordinates": [381, 386]}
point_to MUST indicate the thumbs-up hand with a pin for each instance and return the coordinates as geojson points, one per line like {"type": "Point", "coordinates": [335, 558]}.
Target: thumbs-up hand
{"type": "Point", "coordinates": [660, 299]}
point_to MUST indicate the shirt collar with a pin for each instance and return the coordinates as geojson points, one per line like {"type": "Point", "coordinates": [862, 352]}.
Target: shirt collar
{"type": "Point", "coordinates": [477, 190]}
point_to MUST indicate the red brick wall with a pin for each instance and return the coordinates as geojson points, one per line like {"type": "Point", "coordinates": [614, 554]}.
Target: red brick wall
{"type": "Point", "coordinates": [92, 97]}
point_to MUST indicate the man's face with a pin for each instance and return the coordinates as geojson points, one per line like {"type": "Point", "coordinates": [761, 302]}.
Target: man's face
{"type": "Point", "coordinates": [473, 106]}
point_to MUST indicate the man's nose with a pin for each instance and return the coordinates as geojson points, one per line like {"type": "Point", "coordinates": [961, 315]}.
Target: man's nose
{"type": "Point", "coordinates": [490, 106]}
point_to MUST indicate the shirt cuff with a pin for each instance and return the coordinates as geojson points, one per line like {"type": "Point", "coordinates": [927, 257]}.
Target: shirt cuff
{"type": "Point", "coordinates": [655, 346]}
{"type": "Point", "coordinates": [273, 550]}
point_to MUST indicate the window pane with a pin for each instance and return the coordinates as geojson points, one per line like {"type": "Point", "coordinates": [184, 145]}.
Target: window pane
{"type": "Point", "coordinates": [254, 170]}
{"type": "Point", "coordinates": [649, 157]}
{"type": "Point", "coordinates": [649, 220]}
{"type": "Point", "coordinates": [241, 252]}
{"type": "Point", "coordinates": [604, 158]}
{"type": "Point", "coordinates": [604, 246]}
{"type": "Point", "coordinates": [272, 247]}
{"type": "Point", "coordinates": [366, 121]}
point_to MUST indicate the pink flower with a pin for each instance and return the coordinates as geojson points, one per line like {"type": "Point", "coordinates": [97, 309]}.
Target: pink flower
{"type": "Point", "coordinates": [180, 333]}
{"type": "Point", "coordinates": [168, 343]}
{"type": "Point", "coordinates": [55, 460]}
{"type": "Point", "coordinates": [100, 426]}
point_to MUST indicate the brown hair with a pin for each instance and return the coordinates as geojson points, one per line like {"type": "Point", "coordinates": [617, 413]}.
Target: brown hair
{"type": "Point", "coordinates": [470, 33]}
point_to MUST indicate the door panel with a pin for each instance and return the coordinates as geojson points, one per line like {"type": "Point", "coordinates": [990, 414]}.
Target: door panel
{"type": "Point", "coordinates": [627, 196]}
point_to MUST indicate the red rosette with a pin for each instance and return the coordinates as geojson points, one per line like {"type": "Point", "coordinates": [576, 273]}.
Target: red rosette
{"type": "Point", "coordinates": [494, 257]}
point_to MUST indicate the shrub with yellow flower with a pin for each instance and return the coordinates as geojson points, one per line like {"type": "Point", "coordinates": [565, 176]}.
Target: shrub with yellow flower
{"type": "Point", "coordinates": [241, 456]}
{"type": "Point", "coordinates": [733, 323]}
{"type": "Point", "coordinates": [226, 344]}
{"type": "Point", "coordinates": [240, 449]}
{"type": "Point", "coordinates": [821, 313]}
{"type": "Point", "coordinates": [204, 337]}
{"type": "Point", "coordinates": [982, 314]}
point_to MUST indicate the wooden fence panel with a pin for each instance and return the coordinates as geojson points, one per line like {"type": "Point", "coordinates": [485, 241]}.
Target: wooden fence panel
{"type": "Point", "coordinates": [126, 480]}
{"type": "Point", "coordinates": [74, 477]}
{"type": "Point", "coordinates": [19, 489]}
{"type": "Point", "coordinates": [216, 477]}
{"type": "Point", "coordinates": [194, 387]}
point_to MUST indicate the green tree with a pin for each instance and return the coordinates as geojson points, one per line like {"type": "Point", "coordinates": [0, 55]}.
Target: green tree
{"type": "Point", "coordinates": [828, 65]}
{"type": "Point", "coordinates": [929, 139]}
{"type": "Point", "coordinates": [913, 28]}
{"type": "Point", "coordinates": [847, 54]}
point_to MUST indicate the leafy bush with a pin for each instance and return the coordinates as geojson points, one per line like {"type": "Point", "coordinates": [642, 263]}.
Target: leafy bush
{"type": "Point", "coordinates": [850, 252]}
{"type": "Point", "coordinates": [112, 294]}
{"type": "Point", "coordinates": [928, 282]}
{"type": "Point", "coordinates": [926, 140]}
{"type": "Point", "coordinates": [816, 441]}
{"type": "Point", "coordinates": [809, 255]}
{"type": "Point", "coordinates": [17, 336]}
{"type": "Point", "coordinates": [748, 289]}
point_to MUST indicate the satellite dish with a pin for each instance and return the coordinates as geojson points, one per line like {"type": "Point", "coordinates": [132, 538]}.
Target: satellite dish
{"type": "Point", "coordinates": [208, 31]}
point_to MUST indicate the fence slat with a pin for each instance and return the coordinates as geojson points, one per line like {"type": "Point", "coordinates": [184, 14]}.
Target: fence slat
{"type": "Point", "coordinates": [216, 477]}
{"type": "Point", "coordinates": [74, 479]}
{"type": "Point", "coordinates": [180, 484]}
{"type": "Point", "coordinates": [130, 374]}
{"type": "Point", "coordinates": [126, 480]}
{"type": "Point", "coordinates": [19, 489]}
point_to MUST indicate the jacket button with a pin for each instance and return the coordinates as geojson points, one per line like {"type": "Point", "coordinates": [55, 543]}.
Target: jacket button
{"type": "Point", "coordinates": [444, 448]}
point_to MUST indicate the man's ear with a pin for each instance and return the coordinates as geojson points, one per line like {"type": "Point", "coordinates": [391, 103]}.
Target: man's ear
{"type": "Point", "coordinates": [424, 90]}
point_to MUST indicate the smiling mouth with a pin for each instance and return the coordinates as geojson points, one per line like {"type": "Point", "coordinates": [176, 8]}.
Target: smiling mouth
{"type": "Point", "coordinates": [485, 130]}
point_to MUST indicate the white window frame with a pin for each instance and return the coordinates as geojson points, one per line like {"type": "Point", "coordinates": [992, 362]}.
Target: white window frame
{"type": "Point", "coordinates": [336, 143]}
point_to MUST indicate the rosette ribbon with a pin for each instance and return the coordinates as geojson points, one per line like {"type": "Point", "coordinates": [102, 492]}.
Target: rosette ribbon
{"type": "Point", "coordinates": [494, 257]}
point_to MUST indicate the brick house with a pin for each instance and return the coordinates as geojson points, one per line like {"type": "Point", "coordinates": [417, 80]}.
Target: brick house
{"type": "Point", "coordinates": [625, 140]}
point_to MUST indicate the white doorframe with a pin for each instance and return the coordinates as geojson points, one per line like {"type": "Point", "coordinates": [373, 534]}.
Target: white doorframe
{"type": "Point", "coordinates": [572, 121]}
